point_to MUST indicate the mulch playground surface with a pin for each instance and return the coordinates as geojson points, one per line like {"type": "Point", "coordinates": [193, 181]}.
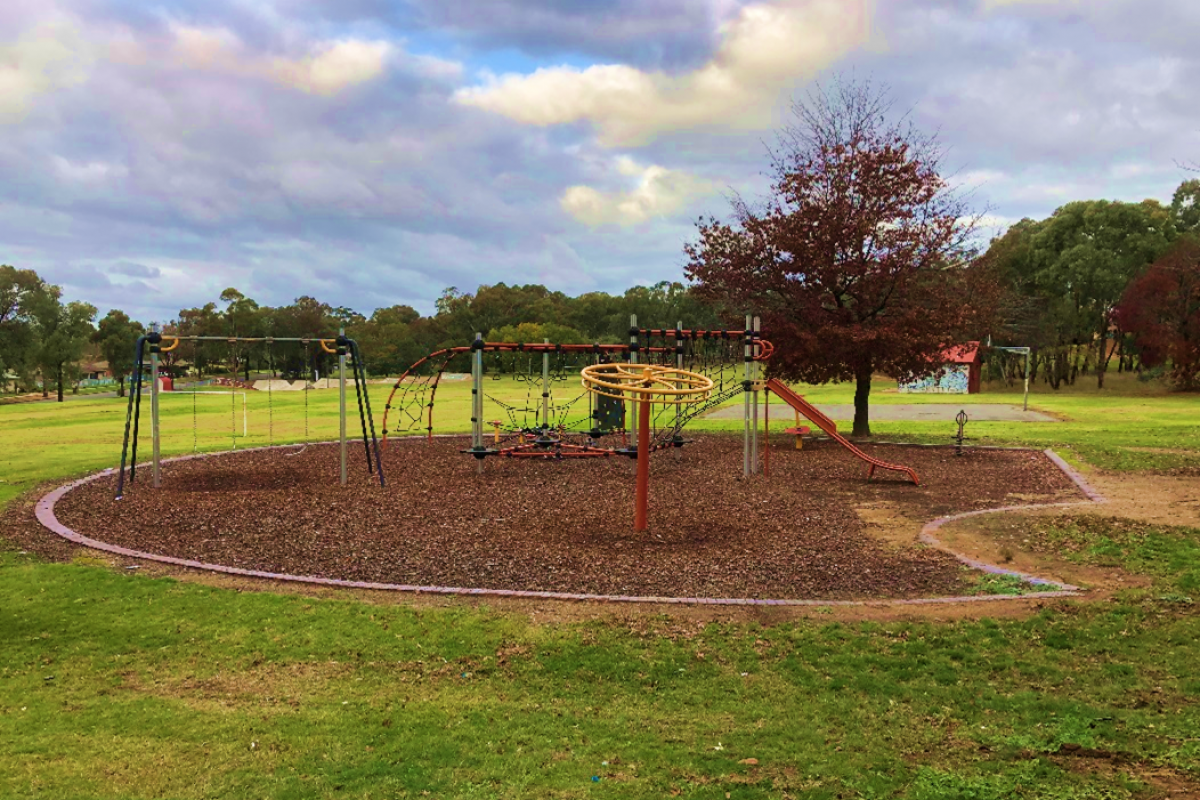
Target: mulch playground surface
{"type": "Point", "coordinates": [562, 526]}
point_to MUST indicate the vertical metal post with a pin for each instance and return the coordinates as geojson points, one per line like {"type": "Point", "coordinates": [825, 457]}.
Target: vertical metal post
{"type": "Point", "coordinates": [592, 397]}
{"type": "Point", "coordinates": [545, 389]}
{"type": "Point", "coordinates": [342, 399]}
{"type": "Point", "coordinates": [754, 376]}
{"type": "Point", "coordinates": [134, 387]}
{"type": "Point", "coordinates": [747, 335]}
{"type": "Point", "coordinates": [642, 499]}
{"type": "Point", "coordinates": [766, 433]}
{"type": "Point", "coordinates": [1028, 351]}
{"type": "Point", "coordinates": [154, 431]}
{"type": "Point", "coordinates": [633, 418]}
{"type": "Point", "coordinates": [678, 366]}
{"type": "Point", "coordinates": [477, 400]}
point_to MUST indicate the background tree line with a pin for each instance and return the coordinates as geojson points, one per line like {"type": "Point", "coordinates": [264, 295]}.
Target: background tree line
{"type": "Point", "coordinates": [1100, 282]}
{"type": "Point", "coordinates": [43, 340]}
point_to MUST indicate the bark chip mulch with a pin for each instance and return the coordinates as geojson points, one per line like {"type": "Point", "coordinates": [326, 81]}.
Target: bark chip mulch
{"type": "Point", "coordinates": [563, 526]}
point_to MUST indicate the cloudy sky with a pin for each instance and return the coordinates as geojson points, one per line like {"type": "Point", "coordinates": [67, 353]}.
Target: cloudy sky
{"type": "Point", "coordinates": [374, 152]}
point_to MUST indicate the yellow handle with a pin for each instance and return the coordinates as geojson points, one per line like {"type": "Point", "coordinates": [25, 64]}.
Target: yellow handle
{"type": "Point", "coordinates": [175, 343]}
{"type": "Point", "coordinates": [325, 346]}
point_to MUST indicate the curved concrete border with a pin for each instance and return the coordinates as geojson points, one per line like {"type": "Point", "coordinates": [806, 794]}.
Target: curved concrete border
{"type": "Point", "coordinates": [45, 515]}
{"type": "Point", "coordinates": [1062, 588]}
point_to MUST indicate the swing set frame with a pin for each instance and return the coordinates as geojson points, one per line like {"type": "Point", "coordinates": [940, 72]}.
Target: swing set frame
{"type": "Point", "coordinates": [154, 343]}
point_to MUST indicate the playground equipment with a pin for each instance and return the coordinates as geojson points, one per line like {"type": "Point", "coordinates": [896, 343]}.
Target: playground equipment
{"type": "Point", "coordinates": [1021, 351]}
{"type": "Point", "coordinates": [194, 393]}
{"type": "Point", "coordinates": [549, 426]}
{"type": "Point", "coordinates": [556, 422]}
{"type": "Point", "coordinates": [785, 393]}
{"type": "Point", "coordinates": [960, 437]}
{"type": "Point", "coordinates": [152, 344]}
{"type": "Point", "coordinates": [644, 386]}
{"type": "Point", "coordinates": [799, 431]}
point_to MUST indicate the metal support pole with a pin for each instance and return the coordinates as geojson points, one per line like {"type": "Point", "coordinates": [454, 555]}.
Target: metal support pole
{"type": "Point", "coordinates": [766, 433]}
{"type": "Point", "coordinates": [545, 389]}
{"type": "Point", "coordinates": [342, 399]}
{"type": "Point", "coordinates": [678, 366]}
{"type": "Point", "coordinates": [476, 393]}
{"type": "Point", "coordinates": [135, 383]}
{"type": "Point", "coordinates": [360, 387]}
{"type": "Point", "coordinates": [747, 339]}
{"type": "Point", "coordinates": [642, 501]}
{"type": "Point", "coordinates": [155, 442]}
{"type": "Point", "coordinates": [137, 415]}
{"type": "Point", "coordinates": [1028, 351]}
{"type": "Point", "coordinates": [477, 400]}
{"type": "Point", "coordinates": [633, 419]}
{"type": "Point", "coordinates": [362, 369]}
{"type": "Point", "coordinates": [591, 397]}
{"type": "Point", "coordinates": [754, 369]}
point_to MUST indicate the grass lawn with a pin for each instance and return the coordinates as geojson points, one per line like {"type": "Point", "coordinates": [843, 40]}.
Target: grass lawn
{"type": "Point", "coordinates": [114, 685]}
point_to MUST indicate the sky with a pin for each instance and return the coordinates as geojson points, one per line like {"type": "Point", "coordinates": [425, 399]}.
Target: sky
{"type": "Point", "coordinates": [375, 152]}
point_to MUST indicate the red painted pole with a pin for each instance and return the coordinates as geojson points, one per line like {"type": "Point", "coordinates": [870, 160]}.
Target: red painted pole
{"type": "Point", "coordinates": [643, 466]}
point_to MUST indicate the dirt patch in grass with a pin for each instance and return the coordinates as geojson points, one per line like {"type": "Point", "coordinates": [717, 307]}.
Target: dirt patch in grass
{"type": "Point", "coordinates": [565, 526]}
{"type": "Point", "coordinates": [1165, 499]}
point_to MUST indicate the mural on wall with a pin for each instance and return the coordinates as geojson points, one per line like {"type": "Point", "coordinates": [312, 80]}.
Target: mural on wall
{"type": "Point", "coordinates": [953, 379]}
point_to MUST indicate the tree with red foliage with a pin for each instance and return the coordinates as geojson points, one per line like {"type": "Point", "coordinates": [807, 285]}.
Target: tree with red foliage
{"type": "Point", "coordinates": [1162, 309]}
{"type": "Point", "coordinates": [858, 262]}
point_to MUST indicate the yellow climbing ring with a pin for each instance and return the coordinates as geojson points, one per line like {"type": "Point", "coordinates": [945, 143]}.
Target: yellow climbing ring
{"type": "Point", "coordinates": [646, 383]}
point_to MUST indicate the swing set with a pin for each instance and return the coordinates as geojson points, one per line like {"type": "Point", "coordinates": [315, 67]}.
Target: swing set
{"type": "Point", "coordinates": [150, 347]}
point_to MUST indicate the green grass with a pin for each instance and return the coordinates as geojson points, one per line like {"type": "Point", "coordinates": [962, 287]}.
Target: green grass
{"type": "Point", "coordinates": [115, 685]}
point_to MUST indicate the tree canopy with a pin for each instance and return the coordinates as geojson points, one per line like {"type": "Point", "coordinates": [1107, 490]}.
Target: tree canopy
{"type": "Point", "coordinates": [117, 336]}
{"type": "Point", "coordinates": [1067, 273]}
{"type": "Point", "coordinates": [858, 261]}
{"type": "Point", "coordinates": [1163, 307]}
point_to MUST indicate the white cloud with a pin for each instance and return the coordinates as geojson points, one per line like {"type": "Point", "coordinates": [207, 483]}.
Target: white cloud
{"type": "Point", "coordinates": [328, 68]}
{"type": "Point", "coordinates": [766, 48]}
{"type": "Point", "coordinates": [659, 192]}
{"type": "Point", "coordinates": [334, 67]}
{"type": "Point", "coordinates": [51, 56]}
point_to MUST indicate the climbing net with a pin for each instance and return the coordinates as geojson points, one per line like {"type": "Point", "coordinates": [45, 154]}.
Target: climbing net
{"type": "Point", "coordinates": [543, 409]}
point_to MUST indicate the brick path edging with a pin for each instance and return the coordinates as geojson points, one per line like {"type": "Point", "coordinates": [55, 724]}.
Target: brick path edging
{"type": "Point", "coordinates": [45, 515]}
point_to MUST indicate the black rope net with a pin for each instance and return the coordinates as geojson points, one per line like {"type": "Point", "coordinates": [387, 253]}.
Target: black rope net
{"type": "Point", "coordinates": [535, 403]}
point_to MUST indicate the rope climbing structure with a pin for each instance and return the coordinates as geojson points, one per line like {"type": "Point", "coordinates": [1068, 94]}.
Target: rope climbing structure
{"type": "Point", "coordinates": [558, 417]}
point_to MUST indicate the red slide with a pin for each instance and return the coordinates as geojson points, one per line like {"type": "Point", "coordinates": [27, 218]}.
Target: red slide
{"type": "Point", "coordinates": [826, 424]}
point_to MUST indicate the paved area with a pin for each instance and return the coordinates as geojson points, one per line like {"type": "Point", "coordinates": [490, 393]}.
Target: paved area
{"type": "Point", "coordinates": [893, 412]}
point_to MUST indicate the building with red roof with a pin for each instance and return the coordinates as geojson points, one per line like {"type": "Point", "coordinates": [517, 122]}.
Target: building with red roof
{"type": "Point", "coordinates": [961, 373]}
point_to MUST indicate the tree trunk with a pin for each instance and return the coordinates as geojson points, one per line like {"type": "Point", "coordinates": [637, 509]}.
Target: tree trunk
{"type": "Point", "coordinates": [862, 394]}
{"type": "Point", "coordinates": [1105, 355]}
{"type": "Point", "coordinates": [60, 383]}
{"type": "Point", "coordinates": [120, 385]}
{"type": "Point", "coordinates": [1057, 369]}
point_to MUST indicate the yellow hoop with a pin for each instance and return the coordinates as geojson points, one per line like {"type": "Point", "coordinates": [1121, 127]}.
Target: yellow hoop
{"type": "Point", "coordinates": [326, 347]}
{"type": "Point", "coordinates": [174, 339]}
{"type": "Point", "coordinates": [646, 383]}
